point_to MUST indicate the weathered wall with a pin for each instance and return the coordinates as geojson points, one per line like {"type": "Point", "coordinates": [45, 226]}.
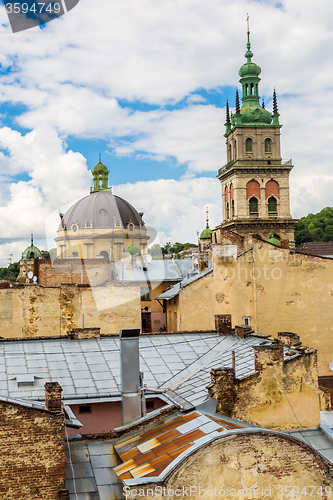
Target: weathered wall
{"type": "Point", "coordinates": [33, 311]}
{"type": "Point", "coordinates": [268, 465]}
{"type": "Point", "coordinates": [280, 289]}
{"type": "Point", "coordinates": [282, 395]}
{"type": "Point", "coordinates": [32, 465]}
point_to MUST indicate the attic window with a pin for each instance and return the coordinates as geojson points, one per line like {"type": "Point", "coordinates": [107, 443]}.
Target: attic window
{"type": "Point", "coordinates": [25, 380]}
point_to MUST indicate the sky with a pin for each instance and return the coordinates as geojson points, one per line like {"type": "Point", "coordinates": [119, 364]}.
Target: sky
{"type": "Point", "coordinates": [144, 84]}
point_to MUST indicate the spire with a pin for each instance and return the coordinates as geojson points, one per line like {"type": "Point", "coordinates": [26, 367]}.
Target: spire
{"type": "Point", "coordinates": [32, 238]}
{"type": "Point", "coordinates": [227, 122]}
{"type": "Point", "coordinates": [207, 218]}
{"type": "Point", "coordinates": [249, 53]}
{"type": "Point", "coordinates": [237, 103]}
{"type": "Point", "coordinates": [275, 107]}
{"type": "Point", "coordinates": [227, 118]}
{"type": "Point", "coordinates": [263, 104]}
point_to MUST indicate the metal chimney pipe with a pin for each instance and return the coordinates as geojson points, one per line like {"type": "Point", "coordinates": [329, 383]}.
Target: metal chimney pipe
{"type": "Point", "coordinates": [131, 401]}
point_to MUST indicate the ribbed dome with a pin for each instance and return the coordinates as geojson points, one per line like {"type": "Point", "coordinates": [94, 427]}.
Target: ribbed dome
{"type": "Point", "coordinates": [31, 252]}
{"type": "Point", "coordinates": [103, 209]}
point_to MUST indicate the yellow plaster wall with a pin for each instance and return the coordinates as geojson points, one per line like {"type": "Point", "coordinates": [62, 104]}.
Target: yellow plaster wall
{"type": "Point", "coordinates": [34, 311]}
{"type": "Point", "coordinates": [281, 290]}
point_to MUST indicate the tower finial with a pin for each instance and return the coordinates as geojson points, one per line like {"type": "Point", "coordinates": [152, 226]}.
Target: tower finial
{"type": "Point", "coordinates": [227, 112]}
{"type": "Point", "coordinates": [207, 218]}
{"type": "Point", "coordinates": [32, 238]}
{"type": "Point", "coordinates": [248, 23]}
{"type": "Point", "coordinates": [275, 106]}
{"type": "Point", "coordinates": [237, 103]}
{"type": "Point", "coordinates": [100, 158]}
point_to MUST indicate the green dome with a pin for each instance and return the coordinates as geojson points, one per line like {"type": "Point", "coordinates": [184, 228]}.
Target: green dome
{"type": "Point", "coordinates": [206, 234]}
{"type": "Point", "coordinates": [31, 252]}
{"type": "Point", "coordinates": [133, 250]}
{"type": "Point", "coordinates": [274, 241]}
{"type": "Point", "coordinates": [255, 114]}
{"type": "Point", "coordinates": [100, 168]}
{"type": "Point", "coordinates": [249, 69]}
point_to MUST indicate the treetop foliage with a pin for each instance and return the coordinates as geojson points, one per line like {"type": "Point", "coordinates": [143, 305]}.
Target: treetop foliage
{"type": "Point", "coordinates": [315, 227]}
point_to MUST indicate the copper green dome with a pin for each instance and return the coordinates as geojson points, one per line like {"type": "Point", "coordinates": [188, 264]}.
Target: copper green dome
{"type": "Point", "coordinates": [274, 241]}
{"type": "Point", "coordinates": [133, 250]}
{"type": "Point", "coordinates": [206, 233]}
{"type": "Point", "coordinates": [31, 252]}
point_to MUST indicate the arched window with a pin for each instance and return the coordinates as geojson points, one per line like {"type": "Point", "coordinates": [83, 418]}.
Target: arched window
{"type": "Point", "coordinates": [248, 145]}
{"type": "Point", "coordinates": [253, 205]}
{"type": "Point", "coordinates": [235, 150]}
{"type": "Point", "coordinates": [104, 254]}
{"type": "Point", "coordinates": [268, 145]}
{"type": "Point", "coordinates": [227, 210]}
{"type": "Point", "coordinates": [272, 189]}
{"type": "Point", "coordinates": [232, 208]}
{"type": "Point", "coordinates": [272, 205]}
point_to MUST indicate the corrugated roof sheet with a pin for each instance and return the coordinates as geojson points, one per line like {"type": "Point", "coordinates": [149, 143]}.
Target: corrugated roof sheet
{"type": "Point", "coordinates": [322, 248]}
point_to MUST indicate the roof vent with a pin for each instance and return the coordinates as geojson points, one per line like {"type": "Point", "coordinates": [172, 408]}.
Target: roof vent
{"type": "Point", "coordinates": [25, 380]}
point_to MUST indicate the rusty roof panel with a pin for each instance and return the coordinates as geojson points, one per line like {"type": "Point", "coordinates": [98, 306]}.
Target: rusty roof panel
{"type": "Point", "coordinates": [167, 436]}
{"type": "Point", "coordinates": [148, 445]}
{"type": "Point", "coordinates": [143, 470]}
{"type": "Point", "coordinates": [165, 448]}
{"type": "Point", "coordinates": [187, 438]}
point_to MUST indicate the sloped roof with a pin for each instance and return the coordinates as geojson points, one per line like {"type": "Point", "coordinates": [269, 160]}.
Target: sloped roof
{"type": "Point", "coordinates": [322, 248]}
{"type": "Point", "coordinates": [174, 290]}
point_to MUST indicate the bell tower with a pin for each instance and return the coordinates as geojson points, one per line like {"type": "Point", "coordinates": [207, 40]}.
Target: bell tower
{"type": "Point", "coordinates": [255, 181]}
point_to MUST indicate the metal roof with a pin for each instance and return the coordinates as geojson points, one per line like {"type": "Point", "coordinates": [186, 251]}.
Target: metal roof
{"type": "Point", "coordinates": [90, 368]}
{"type": "Point", "coordinates": [89, 471]}
{"type": "Point", "coordinates": [174, 290]}
{"type": "Point", "coordinates": [157, 270]}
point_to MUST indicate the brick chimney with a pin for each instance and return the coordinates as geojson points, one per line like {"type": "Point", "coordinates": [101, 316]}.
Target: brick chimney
{"type": "Point", "coordinates": [53, 392]}
{"type": "Point", "coordinates": [267, 355]}
{"type": "Point", "coordinates": [289, 339]}
{"type": "Point", "coordinates": [223, 324]}
{"type": "Point", "coordinates": [222, 388]}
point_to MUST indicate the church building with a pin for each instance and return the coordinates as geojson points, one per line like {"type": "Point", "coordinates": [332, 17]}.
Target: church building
{"type": "Point", "coordinates": [255, 181]}
{"type": "Point", "coordinates": [101, 225]}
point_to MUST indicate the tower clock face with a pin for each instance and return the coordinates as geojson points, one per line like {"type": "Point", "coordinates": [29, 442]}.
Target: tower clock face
{"type": "Point", "coordinates": [74, 228]}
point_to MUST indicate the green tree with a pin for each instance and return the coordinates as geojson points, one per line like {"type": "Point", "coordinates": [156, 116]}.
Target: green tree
{"type": "Point", "coordinates": [315, 227]}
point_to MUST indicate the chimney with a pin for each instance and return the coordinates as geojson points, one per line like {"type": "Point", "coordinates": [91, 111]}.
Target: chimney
{"type": "Point", "coordinates": [130, 375]}
{"type": "Point", "coordinates": [223, 324]}
{"type": "Point", "coordinates": [267, 355]}
{"type": "Point", "coordinates": [222, 388]}
{"type": "Point", "coordinates": [289, 339]}
{"type": "Point", "coordinates": [53, 392]}
{"type": "Point", "coordinates": [63, 494]}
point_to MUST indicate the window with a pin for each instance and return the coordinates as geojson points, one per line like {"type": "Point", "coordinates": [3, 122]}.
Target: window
{"type": "Point", "coordinates": [272, 205]}
{"type": "Point", "coordinates": [145, 293]}
{"type": "Point", "coordinates": [253, 205]}
{"type": "Point", "coordinates": [85, 409]}
{"type": "Point", "coordinates": [227, 210]}
{"type": "Point", "coordinates": [268, 145]}
{"type": "Point", "coordinates": [232, 208]}
{"type": "Point", "coordinates": [248, 145]}
{"type": "Point", "coordinates": [75, 255]}
{"type": "Point", "coordinates": [104, 254]}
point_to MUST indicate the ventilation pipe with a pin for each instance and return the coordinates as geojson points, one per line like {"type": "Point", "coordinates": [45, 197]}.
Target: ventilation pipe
{"type": "Point", "coordinates": [133, 400]}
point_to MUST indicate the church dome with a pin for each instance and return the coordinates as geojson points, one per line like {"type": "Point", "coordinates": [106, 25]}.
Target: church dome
{"type": "Point", "coordinates": [102, 210]}
{"type": "Point", "coordinates": [31, 252]}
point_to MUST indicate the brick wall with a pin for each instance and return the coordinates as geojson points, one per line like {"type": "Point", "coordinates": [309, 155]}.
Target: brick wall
{"type": "Point", "coordinates": [32, 465]}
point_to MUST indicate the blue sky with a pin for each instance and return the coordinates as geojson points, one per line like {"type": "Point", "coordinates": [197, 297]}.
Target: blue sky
{"type": "Point", "coordinates": [145, 84]}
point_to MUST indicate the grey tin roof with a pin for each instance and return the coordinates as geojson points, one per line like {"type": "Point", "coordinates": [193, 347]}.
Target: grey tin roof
{"type": "Point", "coordinates": [157, 271]}
{"type": "Point", "coordinates": [91, 367]}
{"type": "Point", "coordinates": [89, 471]}
{"type": "Point", "coordinates": [174, 290]}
